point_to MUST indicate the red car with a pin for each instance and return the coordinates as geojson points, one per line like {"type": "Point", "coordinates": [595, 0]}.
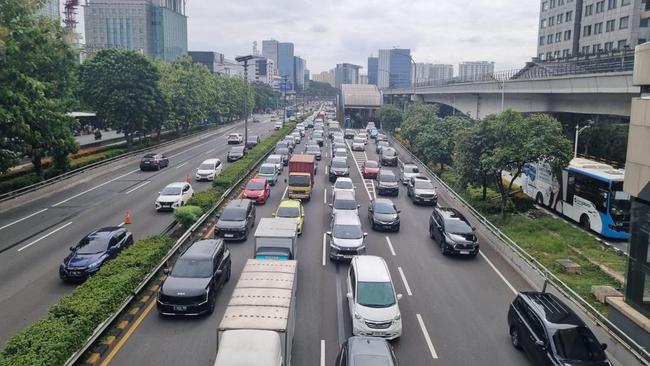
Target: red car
{"type": "Point", "coordinates": [257, 190]}
{"type": "Point", "coordinates": [370, 169]}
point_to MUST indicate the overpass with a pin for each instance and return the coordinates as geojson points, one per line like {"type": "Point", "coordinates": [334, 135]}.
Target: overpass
{"type": "Point", "coordinates": [604, 88]}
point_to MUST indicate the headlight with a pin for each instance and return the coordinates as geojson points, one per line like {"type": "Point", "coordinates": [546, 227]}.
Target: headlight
{"type": "Point", "coordinates": [357, 316]}
{"type": "Point", "coordinates": [94, 264]}
{"type": "Point", "coordinates": [398, 317]}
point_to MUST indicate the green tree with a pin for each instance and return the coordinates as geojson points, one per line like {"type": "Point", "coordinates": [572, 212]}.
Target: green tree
{"type": "Point", "coordinates": [436, 140]}
{"type": "Point", "coordinates": [122, 86]}
{"type": "Point", "coordinates": [319, 89]}
{"type": "Point", "coordinates": [471, 144]}
{"type": "Point", "coordinates": [417, 117]}
{"type": "Point", "coordinates": [390, 117]}
{"type": "Point", "coordinates": [265, 97]}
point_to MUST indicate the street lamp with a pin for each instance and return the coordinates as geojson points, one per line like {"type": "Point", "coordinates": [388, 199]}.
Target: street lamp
{"type": "Point", "coordinates": [578, 132]}
{"type": "Point", "coordinates": [245, 60]}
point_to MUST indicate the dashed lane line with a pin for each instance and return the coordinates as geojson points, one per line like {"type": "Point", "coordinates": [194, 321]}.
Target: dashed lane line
{"type": "Point", "coordinates": [390, 246]}
{"type": "Point", "coordinates": [44, 236]}
{"type": "Point", "coordinates": [427, 339]}
{"type": "Point", "coordinates": [23, 219]}
{"type": "Point", "coordinates": [406, 284]}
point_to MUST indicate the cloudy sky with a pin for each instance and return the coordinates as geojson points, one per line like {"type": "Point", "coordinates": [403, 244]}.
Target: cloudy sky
{"type": "Point", "coordinates": [326, 32]}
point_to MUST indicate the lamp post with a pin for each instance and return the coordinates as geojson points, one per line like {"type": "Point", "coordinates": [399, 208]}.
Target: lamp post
{"type": "Point", "coordinates": [284, 97]}
{"type": "Point", "coordinates": [578, 132]}
{"type": "Point", "coordinates": [245, 60]}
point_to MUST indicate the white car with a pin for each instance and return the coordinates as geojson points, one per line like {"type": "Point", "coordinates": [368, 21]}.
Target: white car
{"type": "Point", "coordinates": [296, 137]}
{"type": "Point", "coordinates": [340, 152]}
{"type": "Point", "coordinates": [235, 138]}
{"type": "Point", "coordinates": [344, 202]}
{"type": "Point", "coordinates": [343, 184]}
{"type": "Point", "coordinates": [277, 125]}
{"type": "Point", "coordinates": [358, 144]}
{"type": "Point", "coordinates": [173, 196]}
{"type": "Point", "coordinates": [277, 160]}
{"type": "Point", "coordinates": [372, 299]}
{"type": "Point", "coordinates": [209, 169]}
{"type": "Point", "coordinates": [363, 136]}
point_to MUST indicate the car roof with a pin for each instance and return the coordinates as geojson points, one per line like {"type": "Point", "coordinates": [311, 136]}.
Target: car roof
{"type": "Point", "coordinates": [421, 177]}
{"type": "Point", "coordinates": [450, 213]}
{"type": "Point", "coordinates": [340, 158]}
{"type": "Point", "coordinates": [238, 203]}
{"type": "Point", "coordinates": [238, 147]}
{"type": "Point", "coordinates": [211, 161]}
{"type": "Point", "coordinates": [384, 200]}
{"type": "Point", "coordinates": [386, 172]}
{"type": "Point", "coordinates": [344, 195]}
{"type": "Point", "coordinates": [176, 184]}
{"type": "Point", "coordinates": [551, 309]}
{"type": "Point", "coordinates": [371, 268]}
{"type": "Point", "coordinates": [360, 345]}
{"type": "Point", "coordinates": [346, 218]}
{"type": "Point", "coordinates": [202, 249]}
{"type": "Point", "coordinates": [257, 180]}
{"type": "Point", "coordinates": [275, 156]}
{"type": "Point", "coordinates": [343, 179]}
{"type": "Point", "coordinates": [289, 203]}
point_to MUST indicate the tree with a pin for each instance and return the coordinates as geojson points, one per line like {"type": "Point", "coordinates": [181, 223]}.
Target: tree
{"type": "Point", "coordinates": [416, 118]}
{"type": "Point", "coordinates": [470, 146]}
{"type": "Point", "coordinates": [436, 140]}
{"type": "Point", "coordinates": [264, 96]}
{"type": "Point", "coordinates": [319, 89]}
{"type": "Point", "coordinates": [390, 117]}
{"type": "Point", "coordinates": [123, 88]}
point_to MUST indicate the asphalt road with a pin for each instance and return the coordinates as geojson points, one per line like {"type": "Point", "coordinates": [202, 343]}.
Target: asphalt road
{"type": "Point", "coordinates": [453, 309]}
{"type": "Point", "coordinates": [35, 237]}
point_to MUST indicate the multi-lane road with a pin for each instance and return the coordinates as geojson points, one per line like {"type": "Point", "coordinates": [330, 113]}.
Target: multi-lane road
{"type": "Point", "coordinates": [453, 309]}
{"type": "Point", "coordinates": [35, 237]}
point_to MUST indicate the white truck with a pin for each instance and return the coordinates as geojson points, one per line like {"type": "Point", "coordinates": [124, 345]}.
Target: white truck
{"type": "Point", "coordinates": [275, 238]}
{"type": "Point", "coordinates": [258, 324]}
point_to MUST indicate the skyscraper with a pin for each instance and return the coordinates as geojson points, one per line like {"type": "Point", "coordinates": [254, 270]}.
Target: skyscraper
{"type": "Point", "coordinates": [285, 64]}
{"type": "Point", "coordinates": [157, 28]}
{"type": "Point", "coordinates": [474, 70]}
{"type": "Point", "coordinates": [50, 9]}
{"type": "Point", "coordinates": [400, 67]}
{"type": "Point", "coordinates": [373, 65]}
{"type": "Point", "coordinates": [299, 66]}
{"type": "Point", "coordinates": [383, 72]}
{"type": "Point", "coordinates": [346, 73]}
{"type": "Point", "coordinates": [431, 72]}
{"type": "Point", "coordinates": [270, 50]}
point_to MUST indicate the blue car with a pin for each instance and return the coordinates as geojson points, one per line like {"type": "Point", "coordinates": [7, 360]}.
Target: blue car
{"type": "Point", "coordinates": [93, 251]}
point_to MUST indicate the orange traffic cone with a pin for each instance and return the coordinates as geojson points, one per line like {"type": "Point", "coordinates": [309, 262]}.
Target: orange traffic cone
{"type": "Point", "coordinates": [188, 179]}
{"type": "Point", "coordinates": [127, 218]}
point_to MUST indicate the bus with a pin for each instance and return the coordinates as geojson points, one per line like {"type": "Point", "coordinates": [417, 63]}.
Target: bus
{"type": "Point", "coordinates": [591, 194]}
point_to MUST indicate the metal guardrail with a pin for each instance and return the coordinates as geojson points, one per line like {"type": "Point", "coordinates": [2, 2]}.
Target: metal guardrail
{"type": "Point", "coordinates": [103, 326]}
{"type": "Point", "coordinates": [637, 350]}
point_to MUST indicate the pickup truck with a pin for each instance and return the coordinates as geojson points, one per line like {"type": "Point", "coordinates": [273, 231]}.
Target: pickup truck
{"type": "Point", "coordinates": [302, 169]}
{"type": "Point", "coordinates": [275, 238]}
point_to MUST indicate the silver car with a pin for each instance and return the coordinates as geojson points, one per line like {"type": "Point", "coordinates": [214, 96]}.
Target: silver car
{"type": "Point", "coordinates": [346, 237]}
{"type": "Point", "coordinates": [408, 171]}
{"type": "Point", "coordinates": [277, 160]}
{"type": "Point", "coordinates": [269, 171]}
{"type": "Point", "coordinates": [344, 201]}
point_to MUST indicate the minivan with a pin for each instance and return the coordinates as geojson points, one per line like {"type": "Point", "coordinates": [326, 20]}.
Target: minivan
{"type": "Point", "coordinates": [236, 220]}
{"type": "Point", "coordinates": [344, 201]}
{"type": "Point", "coordinates": [346, 236]}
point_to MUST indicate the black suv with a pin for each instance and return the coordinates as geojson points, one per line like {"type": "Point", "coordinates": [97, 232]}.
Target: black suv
{"type": "Point", "coordinates": [551, 333]}
{"type": "Point", "coordinates": [153, 162]}
{"type": "Point", "coordinates": [453, 233]}
{"type": "Point", "coordinates": [191, 286]}
{"type": "Point", "coordinates": [388, 156]}
{"type": "Point", "coordinates": [236, 220]}
{"type": "Point", "coordinates": [387, 183]}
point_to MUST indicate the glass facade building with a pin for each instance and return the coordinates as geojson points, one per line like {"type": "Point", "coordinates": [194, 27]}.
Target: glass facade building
{"type": "Point", "coordinates": [285, 64]}
{"type": "Point", "coordinates": [637, 291]}
{"type": "Point", "coordinates": [373, 66]}
{"type": "Point", "coordinates": [400, 68]}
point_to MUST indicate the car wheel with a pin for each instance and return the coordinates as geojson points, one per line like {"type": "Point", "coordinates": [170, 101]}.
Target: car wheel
{"type": "Point", "coordinates": [213, 302]}
{"type": "Point", "coordinates": [228, 274]}
{"type": "Point", "coordinates": [539, 199]}
{"type": "Point", "coordinates": [443, 247]}
{"type": "Point", "coordinates": [515, 337]}
{"type": "Point", "coordinates": [431, 233]}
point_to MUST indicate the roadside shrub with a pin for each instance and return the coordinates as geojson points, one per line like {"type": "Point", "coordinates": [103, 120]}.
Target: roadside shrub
{"type": "Point", "coordinates": [206, 199]}
{"type": "Point", "coordinates": [18, 182]}
{"type": "Point", "coordinates": [187, 215]}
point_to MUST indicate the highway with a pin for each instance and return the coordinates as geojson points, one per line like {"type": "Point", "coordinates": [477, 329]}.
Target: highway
{"type": "Point", "coordinates": [36, 236]}
{"type": "Point", "coordinates": [453, 309]}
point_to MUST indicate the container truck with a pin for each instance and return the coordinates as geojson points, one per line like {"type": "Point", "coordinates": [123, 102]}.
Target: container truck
{"type": "Point", "coordinates": [301, 176]}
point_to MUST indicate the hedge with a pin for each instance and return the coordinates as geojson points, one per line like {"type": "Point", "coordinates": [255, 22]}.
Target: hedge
{"type": "Point", "coordinates": [188, 215]}
{"type": "Point", "coordinates": [69, 323]}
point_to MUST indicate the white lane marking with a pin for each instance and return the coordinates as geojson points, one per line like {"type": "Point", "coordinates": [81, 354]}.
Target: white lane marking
{"type": "Point", "coordinates": [406, 284]}
{"type": "Point", "coordinates": [44, 236]}
{"type": "Point", "coordinates": [192, 148]}
{"type": "Point", "coordinates": [23, 219]}
{"type": "Point", "coordinates": [324, 249]}
{"type": "Point", "coordinates": [390, 246]}
{"type": "Point", "coordinates": [325, 196]}
{"type": "Point", "coordinates": [181, 165]}
{"type": "Point", "coordinates": [359, 170]}
{"type": "Point", "coordinates": [327, 169]}
{"type": "Point", "coordinates": [285, 192]}
{"type": "Point", "coordinates": [95, 187]}
{"type": "Point", "coordinates": [209, 151]}
{"type": "Point", "coordinates": [512, 288]}
{"type": "Point", "coordinates": [138, 187]}
{"type": "Point", "coordinates": [322, 352]}
{"type": "Point", "coordinates": [426, 337]}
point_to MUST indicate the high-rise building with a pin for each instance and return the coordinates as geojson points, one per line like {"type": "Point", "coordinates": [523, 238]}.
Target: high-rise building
{"type": "Point", "coordinates": [285, 64]}
{"type": "Point", "coordinates": [363, 79]}
{"type": "Point", "coordinates": [400, 67]}
{"type": "Point", "coordinates": [157, 28]}
{"type": "Point", "coordinates": [270, 50]}
{"type": "Point", "coordinates": [432, 72]}
{"type": "Point", "coordinates": [50, 9]}
{"type": "Point", "coordinates": [383, 69]}
{"type": "Point", "coordinates": [474, 70]}
{"type": "Point", "coordinates": [324, 77]}
{"type": "Point", "coordinates": [299, 66]}
{"type": "Point", "coordinates": [210, 59]}
{"type": "Point", "coordinates": [586, 27]}
{"type": "Point", "coordinates": [346, 73]}
{"type": "Point", "coordinates": [373, 65]}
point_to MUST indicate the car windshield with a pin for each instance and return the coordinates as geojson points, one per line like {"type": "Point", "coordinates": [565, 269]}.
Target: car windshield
{"type": "Point", "coordinates": [206, 167]}
{"type": "Point", "coordinates": [423, 184]}
{"type": "Point", "coordinates": [375, 294]}
{"type": "Point", "coordinates": [313, 149]}
{"type": "Point", "coordinates": [384, 208]}
{"type": "Point", "coordinates": [411, 169]}
{"type": "Point", "coordinates": [456, 226]}
{"type": "Point", "coordinates": [388, 152]}
{"type": "Point", "coordinates": [255, 186]}
{"type": "Point", "coordinates": [288, 212]}
{"type": "Point", "coordinates": [387, 178]}
{"type": "Point", "coordinates": [336, 163]}
{"type": "Point", "coordinates": [192, 268]}
{"type": "Point", "coordinates": [347, 232]}
{"type": "Point", "coordinates": [358, 140]}
{"type": "Point", "coordinates": [578, 344]}
{"type": "Point", "coordinates": [372, 164]}
{"type": "Point", "coordinates": [274, 159]}
{"type": "Point", "coordinates": [93, 244]}
{"type": "Point", "coordinates": [171, 191]}
{"type": "Point", "coordinates": [233, 214]}
{"type": "Point", "coordinates": [282, 151]}
{"type": "Point", "coordinates": [338, 152]}
{"type": "Point", "coordinates": [343, 184]}
{"type": "Point", "coordinates": [345, 204]}
{"type": "Point", "coordinates": [237, 149]}
{"type": "Point", "coordinates": [267, 169]}
{"type": "Point", "coordinates": [299, 180]}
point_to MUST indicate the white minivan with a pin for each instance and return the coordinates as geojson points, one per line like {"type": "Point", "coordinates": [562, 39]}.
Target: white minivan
{"type": "Point", "coordinates": [372, 299]}
{"type": "Point", "coordinates": [209, 169]}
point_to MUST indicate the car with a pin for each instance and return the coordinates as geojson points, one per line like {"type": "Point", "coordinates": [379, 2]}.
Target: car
{"type": "Point", "coordinates": [421, 190]}
{"type": "Point", "coordinates": [372, 300]}
{"type": "Point", "coordinates": [364, 137]}
{"type": "Point", "coordinates": [380, 145]}
{"type": "Point", "coordinates": [292, 209]}
{"type": "Point", "coordinates": [288, 143]}
{"type": "Point", "coordinates": [277, 161]}
{"type": "Point", "coordinates": [344, 201]}
{"type": "Point", "coordinates": [269, 171]}
{"type": "Point", "coordinates": [173, 196]}
{"type": "Point", "coordinates": [370, 126]}
{"type": "Point", "coordinates": [340, 153]}
{"type": "Point", "coordinates": [296, 137]}
{"type": "Point", "coordinates": [358, 144]}
{"type": "Point", "coordinates": [453, 233]}
{"type": "Point", "coordinates": [153, 161]}
{"type": "Point", "coordinates": [252, 141]}
{"type": "Point", "coordinates": [301, 130]}
{"type": "Point", "coordinates": [236, 153]}
{"type": "Point", "coordinates": [383, 215]}
{"type": "Point", "coordinates": [364, 351]}
{"type": "Point", "coordinates": [387, 183]}
{"type": "Point", "coordinates": [346, 236]}
{"type": "Point", "coordinates": [318, 136]}
{"type": "Point", "coordinates": [95, 249]}
{"type": "Point", "coordinates": [343, 184]}
{"type": "Point", "coordinates": [407, 171]}
{"type": "Point", "coordinates": [338, 168]}
{"type": "Point", "coordinates": [370, 169]}
{"type": "Point", "coordinates": [257, 190]}
{"type": "Point", "coordinates": [235, 138]}
{"type": "Point", "coordinates": [236, 220]}
{"type": "Point", "coordinates": [338, 145]}
{"type": "Point", "coordinates": [388, 156]}
{"type": "Point", "coordinates": [208, 169]}
{"type": "Point", "coordinates": [191, 285]}
{"type": "Point", "coordinates": [551, 333]}
{"type": "Point", "coordinates": [349, 133]}
{"type": "Point", "coordinates": [381, 137]}
{"type": "Point", "coordinates": [277, 125]}
{"type": "Point", "coordinates": [284, 153]}
{"type": "Point", "coordinates": [373, 133]}
{"type": "Point", "coordinates": [313, 150]}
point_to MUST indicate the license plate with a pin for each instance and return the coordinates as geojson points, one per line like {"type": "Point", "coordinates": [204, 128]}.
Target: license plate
{"type": "Point", "coordinates": [180, 308]}
{"type": "Point", "coordinates": [380, 334]}
{"type": "Point", "coordinates": [75, 273]}
{"type": "Point", "coordinates": [229, 235]}
{"type": "Point", "coordinates": [464, 252]}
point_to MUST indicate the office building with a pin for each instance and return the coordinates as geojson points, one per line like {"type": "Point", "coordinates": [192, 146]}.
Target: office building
{"type": "Point", "coordinates": [400, 68]}
{"type": "Point", "coordinates": [299, 66]}
{"type": "Point", "coordinates": [324, 77]}
{"type": "Point", "coordinates": [373, 65]}
{"type": "Point", "coordinates": [474, 70]}
{"type": "Point", "coordinates": [432, 72]}
{"type": "Point", "coordinates": [50, 9]}
{"type": "Point", "coordinates": [209, 59]}
{"type": "Point", "coordinates": [589, 27]}
{"type": "Point", "coordinates": [363, 79]}
{"type": "Point", "coordinates": [157, 28]}
{"type": "Point", "coordinates": [270, 50]}
{"type": "Point", "coordinates": [285, 64]}
{"type": "Point", "coordinates": [383, 65]}
{"type": "Point", "coordinates": [346, 73]}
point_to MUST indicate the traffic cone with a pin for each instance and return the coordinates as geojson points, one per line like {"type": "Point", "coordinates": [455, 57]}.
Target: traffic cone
{"type": "Point", "coordinates": [188, 179]}
{"type": "Point", "coordinates": [127, 218]}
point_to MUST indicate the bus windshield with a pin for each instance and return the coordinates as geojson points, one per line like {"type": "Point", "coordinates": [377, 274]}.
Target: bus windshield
{"type": "Point", "coordinates": [619, 199]}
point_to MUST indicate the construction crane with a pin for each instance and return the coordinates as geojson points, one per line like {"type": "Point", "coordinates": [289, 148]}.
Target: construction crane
{"type": "Point", "coordinates": [70, 14]}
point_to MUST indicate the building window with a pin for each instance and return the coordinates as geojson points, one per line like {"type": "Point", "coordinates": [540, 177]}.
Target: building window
{"type": "Point", "coordinates": [568, 16]}
{"type": "Point", "coordinates": [611, 4]}
{"type": "Point", "coordinates": [552, 5]}
{"type": "Point", "coordinates": [560, 2]}
{"type": "Point", "coordinates": [625, 2]}
{"type": "Point", "coordinates": [545, 6]}
{"type": "Point", "coordinates": [549, 39]}
{"type": "Point", "coordinates": [543, 24]}
{"type": "Point", "coordinates": [541, 56]}
{"type": "Point", "coordinates": [589, 10]}
{"type": "Point", "coordinates": [621, 44]}
{"type": "Point", "coordinates": [600, 6]}
{"type": "Point", "coordinates": [549, 55]}
{"type": "Point", "coordinates": [585, 50]}
{"type": "Point", "coordinates": [551, 21]}
{"type": "Point", "coordinates": [565, 53]}
{"type": "Point", "coordinates": [556, 54]}
{"type": "Point", "coordinates": [596, 48]}
{"type": "Point", "coordinates": [598, 28]}
{"type": "Point", "coordinates": [609, 46]}
{"type": "Point", "coordinates": [637, 289]}
{"type": "Point", "coordinates": [624, 23]}
{"type": "Point", "coordinates": [559, 18]}
{"type": "Point", "coordinates": [541, 40]}
{"type": "Point", "coordinates": [586, 31]}
{"type": "Point", "coordinates": [558, 37]}
{"type": "Point", "coordinates": [610, 25]}
{"type": "Point", "coordinates": [567, 35]}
